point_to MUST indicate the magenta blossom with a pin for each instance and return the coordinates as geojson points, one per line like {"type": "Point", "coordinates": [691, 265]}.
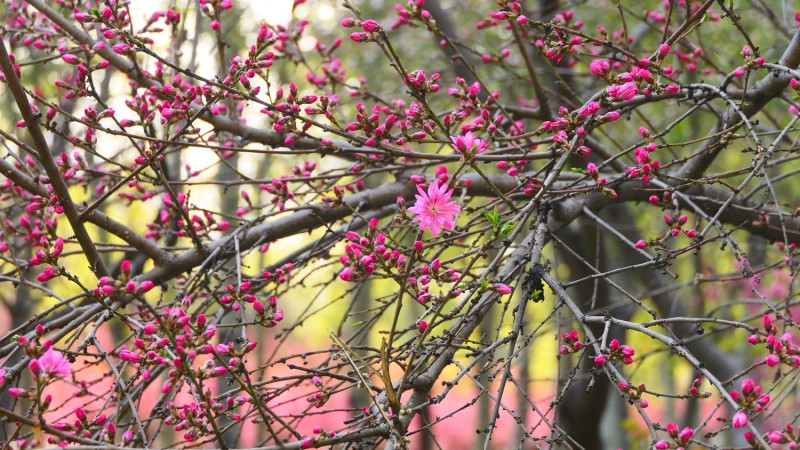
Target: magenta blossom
{"type": "Point", "coordinates": [739, 419]}
{"type": "Point", "coordinates": [434, 209]}
{"type": "Point", "coordinates": [600, 67]}
{"type": "Point", "coordinates": [51, 364]}
{"type": "Point", "coordinates": [622, 92]}
{"type": "Point", "coordinates": [469, 144]}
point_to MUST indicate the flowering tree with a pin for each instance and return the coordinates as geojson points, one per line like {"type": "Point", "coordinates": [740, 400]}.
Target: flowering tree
{"type": "Point", "coordinates": [369, 226]}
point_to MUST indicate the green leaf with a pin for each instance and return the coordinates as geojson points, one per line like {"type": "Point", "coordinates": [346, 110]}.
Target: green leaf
{"type": "Point", "coordinates": [576, 170]}
{"type": "Point", "coordinates": [506, 229]}
{"type": "Point", "coordinates": [492, 217]}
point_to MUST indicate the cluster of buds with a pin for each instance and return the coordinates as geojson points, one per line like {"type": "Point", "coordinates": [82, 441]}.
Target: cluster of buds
{"type": "Point", "coordinates": [268, 315]}
{"type": "Point", "coordinates": [84, 427]}
{"type": "Point", "coordinates": [245, 69]}
{"type": "Point", "coordinates": [192, 419]}
{"type": "Point", "coordinates": [417, 116]}
{"type": "Point", "coordinates": [69, 169]}
{"type": "Point", "coordinates": [364, 254]}
{"type": "Point", "coordinates": [680, 439]}
{"type": "Point", "coordinates": [573, 121]}
{"type": "Point", "coordinates": [280, 275]}
{"type": "Point", "coordinates": [411, 11]}
{"type": "Point", "coordinates": [511, 11]}
{"type": "Point", "coordinates": [369, 27]}
{"type": "Point", "coordinates": [318, 438]}
{"type": "Point", "coordinates": [331, 69]}
{"type": "Point", "coordinates": [568, 126]}
{"type": "Point", "coordinates": [789, 435]}
{"type": "Point", "coordinates": [591, 169]}
{"type": "Point", "coordinates": [750, 398]}
{"type": "Point", "coordinates": [749, 62]}
{"type": "Point", "coordinates": [558, 45]}
{"type": "Point", "coordinates": [108, 286]}
{"type": "Point", "coordinates": [572, 343]}
{"type": "Point", "coordinates": [148, 157]}
{"type": "Point", "coordinates": [694, 391]}
{"type": "Point", "coordinates": [468, 98]}
{"type": "Point", "coordinates": [204, 225]}
{"type": "Point", "coordinates": [419, 280]}
{"type": "Point", "coordinates": [676, 224]}
{"type": "Point", "coordinates": [42, 205]}
{"type": "Point", "coordinates": [229, 406]}
{"type": "Point", "coordinates": [31, 227]}
{"type": "Point", "coordinates": [234, 353]}
{"type": "Point", "coordinates": [190, 335]}
{"type": "Point", "coordinates": [512, 168]}
{"type": "Point", "coordinates": [422, 84]}
{"type": "Point", "coordinates": [634, 393]}
{"type": "Point", "coordinates": [372, 127]}
{"type": "Point", "coordinates": [48, 255]}
{"type": "Point", "coordinates": [319, 398]}
{"type": "Point", "coordinates": [781, 350]}
{"type": "Point", "coordinates": [691, 60]}
{"type": "Point", "coordinates": [325, 105]}
{"type": "Point", "coordinates": [615, 352]}
{"type": "Point", "coordinates": [441, 177]}
{"type": "Point", "coordinates": [279, 188]}
{"type": "Point", "coordinates": [645, 167]}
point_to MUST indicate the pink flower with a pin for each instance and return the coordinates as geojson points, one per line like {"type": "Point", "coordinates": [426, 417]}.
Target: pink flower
{"type": "Point", "coordinates": [600, 67]}
{"type": "Point", "coordinates": [622, 92]}
{"type": "Point", "coordinates": [121, 49]}
{"type": "Point", "coordinates": [469, 144]}
{"type": "Point", "coordinates": [51, 364]}
{"type": "Point", "coordinates": [739, 419]}
{"type": "Point", "coordinates": [70, 59]}
{"type": "Point", "coordinates": [371, 26]}
{"type": "Point", "coordinates": [434, 210]}
{"type": "Point", "coordinates": [501, 288]}
{"type": "Point", "coordinates": [49, 273]}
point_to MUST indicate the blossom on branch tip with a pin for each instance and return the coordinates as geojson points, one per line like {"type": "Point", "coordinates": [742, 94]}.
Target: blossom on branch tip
{"type": "Point", "coordinates": [434, 209]}
{"type": "Point", "coordinates": [52, 364]}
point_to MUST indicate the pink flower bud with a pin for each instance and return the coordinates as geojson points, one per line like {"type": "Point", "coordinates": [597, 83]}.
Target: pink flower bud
{"type": "Point", "coordinates": [739, 419]}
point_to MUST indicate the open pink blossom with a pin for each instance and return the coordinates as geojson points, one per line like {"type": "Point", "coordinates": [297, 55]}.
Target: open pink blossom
{"type": "Point", "coordinates": [434, 209]}
{"type": "Point", "coordinates": [52, 364]}
{"type": "Point", "coordinates": [469, 144]}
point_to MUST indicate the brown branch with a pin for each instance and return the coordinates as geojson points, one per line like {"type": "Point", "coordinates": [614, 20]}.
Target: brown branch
{"type": "Point", "coordinates": [51, 168]}
{"type": "Point", "coordinates": [761, 93]}
{"type": "Point", "coordinates": [135, 240]}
